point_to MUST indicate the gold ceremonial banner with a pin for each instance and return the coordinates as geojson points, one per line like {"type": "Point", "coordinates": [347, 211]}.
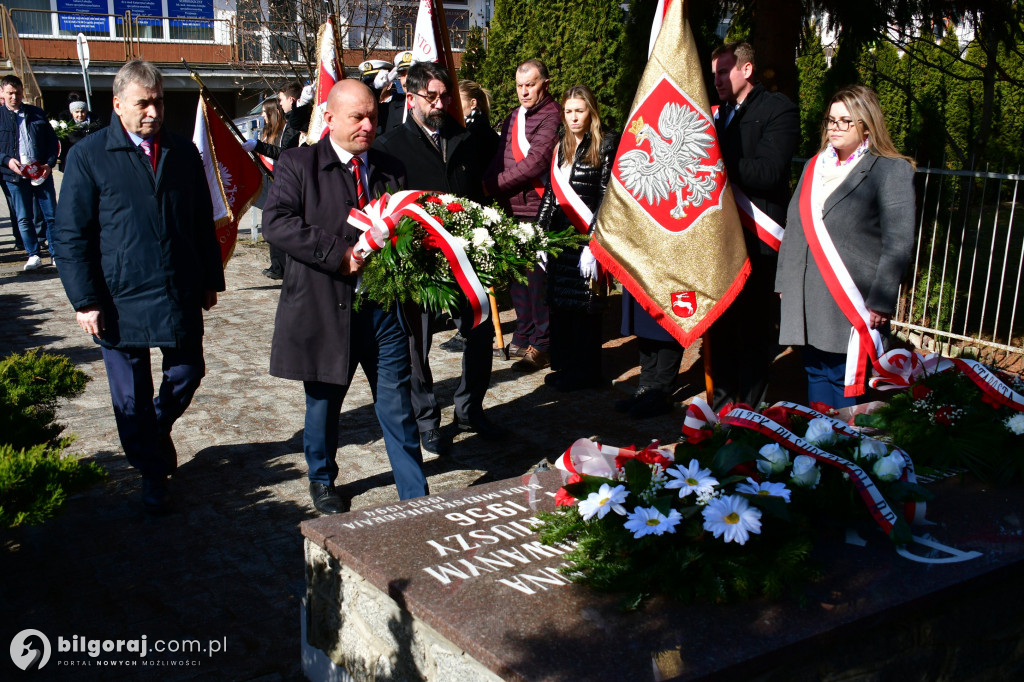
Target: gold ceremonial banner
{"type": "Point", "coordinates": [668, 228]}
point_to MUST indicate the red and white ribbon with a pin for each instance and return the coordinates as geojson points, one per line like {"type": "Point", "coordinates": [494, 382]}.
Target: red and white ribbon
{"type": "Point", "coordinates": [700, 419]}
{"type": "Point", "coordinates": [903, 368]}
{"type": "Point", "coordinates": [568, 198]}
{"type": "Point", "coordinates": [466, 277]}
{"type": "Point", "coordinates": [865, 343]}
{"type": "Point", "coordinates": [879, 509]}
{"type": "Point", "coordinates": [914, 512]}
{"type": "Point", "coordinates": [757, 221]}
{"type": "Point", "coordinates": [384, 213]}
{"type": "Point", "coordinates": [521, 146]}
{"type": "Point", "coordinates": [587, 458]}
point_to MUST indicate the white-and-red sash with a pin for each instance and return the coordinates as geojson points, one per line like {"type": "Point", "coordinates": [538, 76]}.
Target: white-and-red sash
{"type": "Point", "coordinates": [757, 221]}
{"type": "Point", "coordinates": [521, 146]}
{"type": "Point", "coordinates": [699, 422]}
{"type": "Point", "coordinates": [267, 161]}
{"type": "Point", "coordinates": [568, 198]}
{"type": "Point", "coordinates": [865, 343]}
{"type": "Point", "coordinates": [587, 458]}
{"type": "Point", "coordinates": [386, 212]}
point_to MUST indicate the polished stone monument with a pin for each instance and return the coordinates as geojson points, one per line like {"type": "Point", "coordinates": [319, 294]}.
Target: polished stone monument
{"type": "Point", "coordinates": [457, 586]}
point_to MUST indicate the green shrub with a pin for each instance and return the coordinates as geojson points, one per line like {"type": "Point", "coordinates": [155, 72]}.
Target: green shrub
{"type": "Point", "coordinates": [35, 475]}
{"type": "Point", "coordinates": [31, 383]}
{"type": "Point", "coordinates": [35, 482]}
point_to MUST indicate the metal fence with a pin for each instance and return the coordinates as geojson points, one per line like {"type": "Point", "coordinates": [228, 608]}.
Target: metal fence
{"type": "Point", "coordinates": [962, 294]}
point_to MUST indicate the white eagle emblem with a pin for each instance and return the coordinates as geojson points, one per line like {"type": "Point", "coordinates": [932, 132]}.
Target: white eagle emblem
{"type": "Point", "coordinates": [674, 163]}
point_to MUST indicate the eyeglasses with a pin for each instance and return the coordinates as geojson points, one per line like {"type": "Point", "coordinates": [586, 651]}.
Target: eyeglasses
{"type": "Point", "coordinates": [840, 124]}
{"type": "Point", "coordinates": [433, 98]}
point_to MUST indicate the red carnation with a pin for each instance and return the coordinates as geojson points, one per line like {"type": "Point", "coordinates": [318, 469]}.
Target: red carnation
{"type": "Point", "coordinates": [433, 200]}
{"type": "Point", "coordinates": [920, 391]}
{"type": "Point", "coordinates": [562, 497]}
{"type": "Point", "coordinates": [455, 208]}
{"type": "Point", "coordinates": [699, 436]}
{"type": "Point", "coordinates": [430, 242]}
{"type": "Point", "coordinates": [652, 456]}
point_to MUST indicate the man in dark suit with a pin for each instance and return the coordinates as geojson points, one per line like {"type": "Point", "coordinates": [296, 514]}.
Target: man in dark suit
{"type": "Point", "coordinates": [319, 338]}
{"type": "Point", "coordinates": [139, 260]}
{"type": "Point", "coordinates": [442, 156]}
{"type": "Point", "coordinates": [758, 132]}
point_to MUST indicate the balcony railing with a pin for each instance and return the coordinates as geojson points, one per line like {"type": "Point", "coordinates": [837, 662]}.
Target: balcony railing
{"type": "Point", "coordinates": [48, 35]}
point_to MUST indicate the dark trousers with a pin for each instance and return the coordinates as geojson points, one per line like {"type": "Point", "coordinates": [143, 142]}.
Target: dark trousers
{"type": "Point", "coordinates": [29, 202]}
{"type": "Point", "coordinates": [826, 376]}
{"type": "Point", "coordinates": [659, 362]}
{"type": "Point", "coordinates": [476, 367]}
{"type": "Point", "coordinates": [576, 343]}
{"type": "Point", "coordinates": [379, 345]}
{"type": "Point", "coordinates": [744, 341]}
{"type": "Point", "coordinates": [142, 419]}
{"type": "Point", "coordinates": [530, 302]}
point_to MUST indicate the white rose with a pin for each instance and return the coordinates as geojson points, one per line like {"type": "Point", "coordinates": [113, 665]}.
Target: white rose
{"type": "Point", "coordinates": [54, 124]}
{"type": "Point", "coordinates": [820, 433]}
{"type": "Point", "coordinates": [805, 472]}
{"type": "Point", "coordinates": [870, 449]}
{"type": "Point", "coordinates": [889, 468]}
{"type": "Point", "coordinates": [775, 459]}
{"type": "Point", "coordinates": [63, 125]}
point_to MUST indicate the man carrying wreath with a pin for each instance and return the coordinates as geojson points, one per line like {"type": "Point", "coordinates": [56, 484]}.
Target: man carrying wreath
{"type": "Point", "coordinates": [319, 338]}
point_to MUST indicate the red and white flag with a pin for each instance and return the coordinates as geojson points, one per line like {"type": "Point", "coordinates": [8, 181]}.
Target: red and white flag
{"type": "Point", "coordinates": [668, 227]}
{"type": "Point", "coordinates": [424, 43]}
{"type": "Point", "coordinates": [234, 179]}
{"type": "Point", "coordinates": [328, 73]}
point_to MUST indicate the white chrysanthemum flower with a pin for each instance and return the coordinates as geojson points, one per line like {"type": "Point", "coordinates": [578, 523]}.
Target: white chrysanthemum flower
{"type": "Point", "coordinates": [752, 487]}
{"type": "Point", "coordinates": [606, 498]}
{"type": "Point", "coordinates": [821, 433]}
{"type": "Point", "coordinates": [870, 449]}
{"type": "Point", "coordinates": [1015, 424]}
{"type": "Point", "coordinates": [692, 479]}
{"type": "Point", "coordinates": [775, 459]}
{"type": "Point", "coordinates": [649, 521]}
{"type": "Point", "coordinates": [491, 214]}
{"type": "Point", "coordinates": [805, 472]}
{"type": "Point", "coordinates": [889, 468]}
{"type": "Point", "coordinates": [733, 517]}
{"type": "Point", "coordinates": [482, 238]}
{"type": "Point", "coordinates": [449, 198]}
{"type": "Point", "coordinates": [462, 242]}
{"type": "Point", "coordinates": [525, 231]}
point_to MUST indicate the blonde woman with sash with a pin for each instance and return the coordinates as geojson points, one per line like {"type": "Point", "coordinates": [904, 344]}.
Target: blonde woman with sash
{"type": "Point", "coordinates": [581, 166]}
{"type": "Point", "coordinates": [849, 236]}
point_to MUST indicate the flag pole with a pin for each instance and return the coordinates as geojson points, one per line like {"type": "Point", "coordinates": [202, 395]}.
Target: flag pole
{"type": "Point", "coordinates": [212, 101]}
{"type": "Point", "coordinates": [441, 24]}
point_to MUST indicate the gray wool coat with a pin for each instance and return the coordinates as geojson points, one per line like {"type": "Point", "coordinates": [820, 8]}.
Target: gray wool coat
{"type": "Point", "coordinates": [870, 218]}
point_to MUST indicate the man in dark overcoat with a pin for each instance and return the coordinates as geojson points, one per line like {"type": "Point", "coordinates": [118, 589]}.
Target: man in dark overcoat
{"type": "Point", "coordinates": [135, 244]}
{"type": "Point", "coordinates": [758, 132]}
{"type": "Point", "coordinates": [442, 156]}
{"type": "Point", "coordinates": [319, 338]}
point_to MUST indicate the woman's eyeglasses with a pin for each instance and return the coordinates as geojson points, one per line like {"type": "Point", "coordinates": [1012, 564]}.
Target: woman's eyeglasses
{"type": "Point", "coordinates": [840, 124]}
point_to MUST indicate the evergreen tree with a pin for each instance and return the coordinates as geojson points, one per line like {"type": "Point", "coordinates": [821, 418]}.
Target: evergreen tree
{"type": "Point", "coordinates": [811, 68]}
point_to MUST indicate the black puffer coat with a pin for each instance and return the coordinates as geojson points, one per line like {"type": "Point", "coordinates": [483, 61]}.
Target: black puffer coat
{"type": "Point", "coordinates": [566, 287]}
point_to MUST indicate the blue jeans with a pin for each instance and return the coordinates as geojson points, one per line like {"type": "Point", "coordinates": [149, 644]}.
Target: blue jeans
{"type": "Point", "coordinates": [25, 198]}
{"type": "Point", "coordinates": [379, 344]}
{"type": "Point", "coordinates": [826, 377]}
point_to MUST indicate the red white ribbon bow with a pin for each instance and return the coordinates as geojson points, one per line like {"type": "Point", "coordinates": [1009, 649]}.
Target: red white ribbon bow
{"type": "Point", "coordinates": [384, 214]}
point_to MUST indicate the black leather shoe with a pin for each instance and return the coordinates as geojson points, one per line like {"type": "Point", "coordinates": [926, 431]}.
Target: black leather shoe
{"type": "Point", "coordinates": [326, 498]}
{"type": "Point", "coordinates": [652, 403]}
{"type": "Point", "coordinates": [433, 441]}
{"type": "Point", "coordinates": [456, 344]}
{"type": "Point", "coordinates": [273, 274]}
{"type": "Point", "coordinates": [156, 498]}
{"type": "Point", "coordinates": [483, 427]}
{"type": "Point", "coordinates": [626, 404]}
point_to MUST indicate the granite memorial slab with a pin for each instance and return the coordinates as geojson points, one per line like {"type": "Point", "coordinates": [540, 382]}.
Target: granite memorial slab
{"type": "Point", "coordinates": [458, 586]}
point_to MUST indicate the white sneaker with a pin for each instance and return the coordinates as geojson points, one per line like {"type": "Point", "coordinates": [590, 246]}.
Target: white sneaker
{"type": "Point", "coordinates": [33, 263]}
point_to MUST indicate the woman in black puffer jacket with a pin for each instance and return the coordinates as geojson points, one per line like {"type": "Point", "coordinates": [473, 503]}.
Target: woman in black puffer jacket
{"type": "Point", "coordinates": [576, 292]}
